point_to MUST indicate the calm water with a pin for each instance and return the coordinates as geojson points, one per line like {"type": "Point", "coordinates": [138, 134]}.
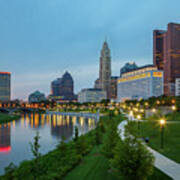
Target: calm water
{"type": "Point", "coordinates": [16, 136]}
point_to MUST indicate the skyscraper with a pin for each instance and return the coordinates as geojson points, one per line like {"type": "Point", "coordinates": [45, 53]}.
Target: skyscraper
{"type": "Point", "coordinates": [166, 53]}
{"type": "Point", "coordinates": [104, 80]}
{"type": "Point", "coordinates": [63, 88]}
{"type": "Point", "coordinates": [5, 86]}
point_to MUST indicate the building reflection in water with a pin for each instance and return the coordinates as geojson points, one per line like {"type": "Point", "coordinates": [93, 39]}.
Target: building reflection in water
{"type": "Point", "coordinates": [5, 139]}
{"type": "Point", "coordinates": [60, 126]}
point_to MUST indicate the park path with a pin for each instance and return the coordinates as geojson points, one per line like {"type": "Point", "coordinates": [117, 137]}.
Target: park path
{"type": "Point", "coordinates": [164, 164]}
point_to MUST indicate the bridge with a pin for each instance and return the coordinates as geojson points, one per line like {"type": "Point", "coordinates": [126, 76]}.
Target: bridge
{"type": "Point", "coordinates": [77, 114]}
{"type": "Point", "coordinates": [21, 109]}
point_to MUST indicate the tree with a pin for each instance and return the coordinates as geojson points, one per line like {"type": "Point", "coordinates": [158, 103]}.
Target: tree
{"type": "Point", "coordinates": [110, 139]}
{"type": "Point", "coordinates": [76, 134]}
{"type": "Point", "coordinates": [132, 159]}
{"type": "Point", "coordinates": [9, 170]}
{"type": "Point", "coordinates": [62, 146]}
{"type": "Point", "coordinates": [35, 151]}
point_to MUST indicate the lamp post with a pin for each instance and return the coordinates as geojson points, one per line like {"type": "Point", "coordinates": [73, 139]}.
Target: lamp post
{"type": "Point", "coordinates": [110, 112]}
{"type": "Point", "coordinates": [173, 108]}
{"type": "Point", "coordinates": [131, 115]}
{"type": "Point", "coordinates": [139, 118]}
{"type": "Point", "coordinates": [162, 125]}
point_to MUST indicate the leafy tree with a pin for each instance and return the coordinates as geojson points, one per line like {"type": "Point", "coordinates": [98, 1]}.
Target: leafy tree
{"type": "Point", "coordinates": [35, 151]}
{"type": "Point", "coordinates": [132, 159]}
{"type": "Point", "coordinates": [82, 146]}
{"type": "Point", "coordinates": [110, 139]}
{"type": "Point", "coordinates": [98, 135]}
{"type": "Point", "coordinates": [9, 170]}
{"type": "Point", "coordinates": [76, 134]}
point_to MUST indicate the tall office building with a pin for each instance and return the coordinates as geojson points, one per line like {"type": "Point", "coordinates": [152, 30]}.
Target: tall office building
{"type": "Point", "coordinates": [166, 54]}
{"type": "Point", "coordinates": [143, 82]}
{"type": "Point", "coordinates": [63, 88]}
{"type": "Point", "coordinates": [5, 86]}
{"type": "Point", "coordinates": [104, 81]}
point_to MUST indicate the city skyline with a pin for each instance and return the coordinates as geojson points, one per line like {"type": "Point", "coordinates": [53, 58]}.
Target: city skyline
{"type": "Point", "coordinates": [40, 41]}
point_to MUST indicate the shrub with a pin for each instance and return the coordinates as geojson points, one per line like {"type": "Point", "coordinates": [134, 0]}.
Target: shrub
{"type": "Point", "coordinates": [132, 159]}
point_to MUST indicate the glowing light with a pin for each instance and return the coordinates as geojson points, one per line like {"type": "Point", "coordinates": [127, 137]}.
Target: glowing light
{"type": "Point", "coordinates": [5, 149]}
{"type": "Point", "coordinates": [138, 117]}
{"type": "Point", "coordinates": [162, 122]}
{"type": "Point", "coordinates": [173, 108]}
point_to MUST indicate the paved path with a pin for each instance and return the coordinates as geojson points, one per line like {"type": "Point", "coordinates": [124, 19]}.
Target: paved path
{"type": "Point", "coordinates": [166, 165]}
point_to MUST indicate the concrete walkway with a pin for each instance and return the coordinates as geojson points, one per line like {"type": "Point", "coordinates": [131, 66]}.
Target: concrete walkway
{"type": "Point", "coordinates": [164, 164]}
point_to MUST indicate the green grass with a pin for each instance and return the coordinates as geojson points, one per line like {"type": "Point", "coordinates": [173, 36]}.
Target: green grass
{"type": "Point", "coordinates": [96, 167]}
{"type": "Point", "coordinates": [152, 130]}
{"type": "Point", "coordinates": [4, 118]}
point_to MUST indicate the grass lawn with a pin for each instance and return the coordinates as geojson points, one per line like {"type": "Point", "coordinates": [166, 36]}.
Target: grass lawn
{"type": "Point", "coordinates": [96, 167]}
{"type": "Point", "coordinates": [152, 130]}
{"type": "Point", "coordinates": [7, 118]}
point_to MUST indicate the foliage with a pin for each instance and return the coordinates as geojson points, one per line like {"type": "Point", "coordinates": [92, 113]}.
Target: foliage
{"type": "Point", "coordinates": [5, 118]}
{"type": "Point", "coordinates": [132, 159]}
{"type": "Point", "coordinates": [76, 134]}
{"type": "Point", "coordinates": [111, 137]}
{"type": "Point", "coordinates": [9, 170]}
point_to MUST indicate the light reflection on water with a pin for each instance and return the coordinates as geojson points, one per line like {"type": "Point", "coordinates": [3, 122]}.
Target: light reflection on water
{"type": "Point", "coordinates": [16, 136]}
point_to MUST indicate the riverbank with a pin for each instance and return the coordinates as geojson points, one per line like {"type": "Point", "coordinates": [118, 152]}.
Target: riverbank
{"type": "Point", "coordinates": [96, 166]}
{"type": "Point", "coordinates": [5, 118]}
{"type": "Point", "coordinates": [81, 159]}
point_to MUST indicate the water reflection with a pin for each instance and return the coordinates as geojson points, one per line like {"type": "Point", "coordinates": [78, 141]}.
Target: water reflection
{"type": "Point", "coordinates": [15, 136]}
{"type": "Point", "coordinates": [5, 138]}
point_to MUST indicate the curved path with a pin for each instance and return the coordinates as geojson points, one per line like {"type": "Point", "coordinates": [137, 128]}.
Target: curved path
{"type": "Point", "coordinates": [166, 165]}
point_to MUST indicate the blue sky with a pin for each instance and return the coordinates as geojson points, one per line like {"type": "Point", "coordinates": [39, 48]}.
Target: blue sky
{"type": "Point", "coordinates": [41, 39]}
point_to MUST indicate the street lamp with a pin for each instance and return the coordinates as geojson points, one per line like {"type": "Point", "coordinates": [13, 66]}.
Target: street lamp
{"type": "Point", "coordinates": [139, 118]}
{"type": "Point", "coordinates": [162, 125]}
{"type": "Point", "coordinates": [173, 108]}
{"type": "Point", "coordinates": [131, 115]}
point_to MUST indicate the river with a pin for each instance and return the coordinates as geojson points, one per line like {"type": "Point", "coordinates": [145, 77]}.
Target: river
{"type": "Point", "coordinates": [15, 137]}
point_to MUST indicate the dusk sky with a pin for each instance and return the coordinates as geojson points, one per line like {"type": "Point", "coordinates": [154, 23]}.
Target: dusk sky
{"type": "Point", "coordinates": [41, 39]}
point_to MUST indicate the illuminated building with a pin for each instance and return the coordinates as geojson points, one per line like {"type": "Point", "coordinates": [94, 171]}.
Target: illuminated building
{"type": "Point", "coordinates": [105, 81]}
{"type": "Point", "coordinates": [5, 138]}
{"type": "Point", "coordinates": [177, 85]}
{"type": "Point", "coordinates": [62, 89]}
{"type": "Point", "coordinates": [166, 55]}
{"type": "Point", "coordinates": [5, 86]}
{"type": "Point", "coordinates": [105, 70]}
{"type": "Point", "coordinates": [91, 95]}
{"type": "Point", "coordinates": [144, 82]}
{"type": "Point", "coordinates": [36, 97]}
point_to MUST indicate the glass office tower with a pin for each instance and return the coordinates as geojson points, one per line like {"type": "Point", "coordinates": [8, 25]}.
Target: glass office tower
{"type": "Point", "coordinates": [143, 82]}
{"type": "Point", "coordinates": [5, 86]}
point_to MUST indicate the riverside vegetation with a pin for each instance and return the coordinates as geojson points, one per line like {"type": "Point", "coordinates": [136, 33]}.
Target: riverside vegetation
{"type": "Point", "coordinates": [99, 154]}
{"type": "Point", "coordinates": [4, 118]}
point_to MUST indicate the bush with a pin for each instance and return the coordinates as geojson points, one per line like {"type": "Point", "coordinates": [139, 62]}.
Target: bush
{"type": "Point", "coordinates": [132, 159]}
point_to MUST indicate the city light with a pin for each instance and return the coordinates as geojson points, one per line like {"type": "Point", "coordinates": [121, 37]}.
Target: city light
{"type": "Point", "coordinates": [138, 117]}
{"type": "Point", "coordinates": [162, 122]}
{"type": "Point", "coordinates": [173, 108]}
